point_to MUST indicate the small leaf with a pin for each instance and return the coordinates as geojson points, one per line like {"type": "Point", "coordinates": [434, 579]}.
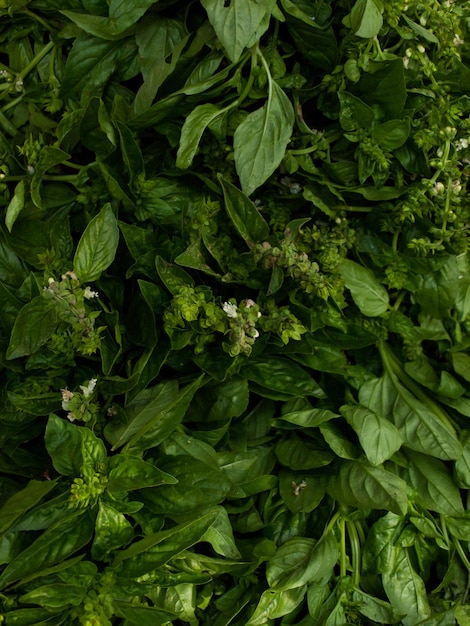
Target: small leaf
{"type": "Point", "coordinates": [16, 205]}
{"type": "Point", "coordinates": [246, 218]}
{"type": "Point", "coordinates": [194, 126]}
{"type": "Point", "coordinates": [97, 246]}
{"type": "Point", "coordinates": [368, 294]}
{"type": "Point", "coordinates": [366, 18]}
{"type": "Point", "coordinates": [239, 23]}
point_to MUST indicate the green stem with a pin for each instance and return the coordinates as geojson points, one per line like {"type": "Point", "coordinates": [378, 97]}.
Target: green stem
{"type": "Point", "coordinates": [395, 369]}
{"type": "Point", "coordinates": [11, 104]}
{"type": "Point", "coordinates": [398, 301]}
{"type": "Point", "coordinates": [462, 554]}
{"type": "Point", "coordinates": [355, 552]}
{"type": "Point", "coordinates": [32, 64]}
{"type": "Point", "coordinates": [39, 19]}
{"type": "Point", "coordinates": [342, 558]}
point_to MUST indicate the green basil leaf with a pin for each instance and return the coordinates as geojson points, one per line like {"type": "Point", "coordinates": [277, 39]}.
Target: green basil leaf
{"type": "Point", "coordinates": [435, 490]}
{"type": "Point", "coordinates": [112, 531]}
{"type": "Point", "coordinates": [368, 294]}
{"type": "Point", "coordinates": [239, 23]}
{"type": "Point", "coordinates": [362, 485]}
{"type": "Point", "coordinates": [274, 604]}
{"type": "Point", "coordinates": [55, 596]}
{"type": "Point", "coordinates": [300, 560]}
{"type": "Point", "coordinates": [22, 501]}
{"type": "Point", "coordinates": [246, 218]}
{"type": "Point", "coordinates": [283, 377]}
{"type": "Point", "coordinates": [462, 464]}
{"type": "Point", "coordinates": [379, 438]}
{"type": "Point", "coordinates": [193, 128]}
{"type": "Point", "coordinates": [97, 246]}
{"type": "Point", "coordinates": [405, 589]}
{"type": "Point", "coordinates": [127, 473]}
{"type": "Point", "coordinates": [58, 542]}
{"type": "Point", "coordinates": [16, 205]}
{"type": "Point", "coordinates": [157, 549]}
{"type": "Point", "coordinates": [420, 428]}
{"type": "Point", "coordinates": [35, 324]}
{"type": "Point", "coordinates": [260, 141]}
{"type": "Point", "coordinates": [366, 19]}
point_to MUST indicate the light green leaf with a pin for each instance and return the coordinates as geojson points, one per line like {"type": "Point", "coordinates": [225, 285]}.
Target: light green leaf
{"type": "Point", "coordinates": [433, 484]}
{"type": "Point", "coordinates": [379, 438]}
{"type": "Point", "coordinates": [368, 294]}
{"type": "Point", "coordinates": [421, 428]}
{"type": "Point", "coordinates": [365, 18]}
{"type": "Point", "coordinates": [302, 560]}
{"type": "Point", "coordinates": [260, 141]}
{"type": "Point", "coordinates": [238, 24]}
{"type": "Point", "coordinates": [194, 126]}
{"type": "Point", "coordinates": [273, 604]}
{"type": "Point", "coordinates": [405, 589]}
{"type": "Point", "coordinates": [16, 205]}
{"type": "Point", "coordinates": [97, 246]}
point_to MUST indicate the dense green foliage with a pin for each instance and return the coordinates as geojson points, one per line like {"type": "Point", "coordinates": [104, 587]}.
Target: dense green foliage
{"type": "Point", "coordinates": [234, 312]}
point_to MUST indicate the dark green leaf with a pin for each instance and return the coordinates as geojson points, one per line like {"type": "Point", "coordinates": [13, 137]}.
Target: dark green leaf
{"type": "Point", "coordinates": [35, 324]}
{"type": "Point", "coordinates": [362, 485]}
{"type": "Point", "coordinates": [57, 543]}
{"type": "Point", "coordinates": [22, 501]}
{"type": "Point", "coordinates": [244, 215]}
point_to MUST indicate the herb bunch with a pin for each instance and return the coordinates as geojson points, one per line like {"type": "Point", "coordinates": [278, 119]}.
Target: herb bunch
{"type": "Point", "coordinates": [234, 312]}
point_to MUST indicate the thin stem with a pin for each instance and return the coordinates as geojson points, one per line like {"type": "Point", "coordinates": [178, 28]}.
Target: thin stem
{"type": "Point", "coordinates": [32, 64]}
{"type": "Point", "coordinates": [38, 18]}
{"type": "Point", "coordinates": [462, 554]}
{"type": "Point", "coordinates": [342, 558]}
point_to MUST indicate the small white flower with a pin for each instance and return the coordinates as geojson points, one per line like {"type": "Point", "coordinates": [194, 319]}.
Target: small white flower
{"type": "Point", "coordinates": [249, 303]}
{"type": "Point", "coordinates": [230, 309]}
{"type": "Point", "coordinates": [438, 188]}
{"type": "Point", "coordinates": [67, 395]}
{"type": "Point", "coordinates": [89, 294]}
{"type": "Point", "coordinates": [406, 62]}
{"type": "Point", "coordinates": [461, 144]}
{"type": "Point", "coordinates": [19, 85]}
{"type": "Point", "coordinates": [88, 389]}
{"type": "Point", "coordinates": [255, 333]}
{"type": "Point", "coordinates": [70, 417]}
{"type": "Point", "coordinates": [457, 40]}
